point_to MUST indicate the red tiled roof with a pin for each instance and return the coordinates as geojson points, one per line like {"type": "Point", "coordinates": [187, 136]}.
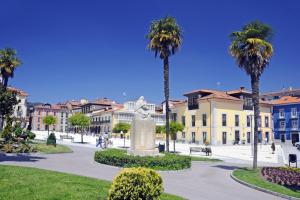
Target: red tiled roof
{"type": "Point", "coordinates": [287, 100]}
{"type": "Point", "coordinates": [18, 91]}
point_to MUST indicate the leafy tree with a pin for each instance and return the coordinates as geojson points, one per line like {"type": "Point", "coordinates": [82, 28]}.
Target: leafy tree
{"type": "Point", "coordinates": [174, 128]}
{"type": "Point", "coordinates": [121, 128]}
{"type": "Point", "coordinates": [165, 39]}
{"type": "Point", "coordinates": [160, 129]}
{"type": "Point", "coordinates": [8, 100]}
{"type": "Point", "coordinates": [252, 50]}
{"type": "Point", "coordinates": [48, 121]}
{"type": "Point", "coordinates": [81, 121]}
{"type": "Point", "coordinates": [8, 63]}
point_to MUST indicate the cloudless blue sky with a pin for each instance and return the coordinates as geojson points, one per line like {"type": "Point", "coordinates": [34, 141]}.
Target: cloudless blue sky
{"type": "Point", "coordinates": [92, 48]}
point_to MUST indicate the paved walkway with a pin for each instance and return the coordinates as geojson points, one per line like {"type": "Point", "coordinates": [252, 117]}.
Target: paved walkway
{"type": "Point", "coordinates": [204, 181]}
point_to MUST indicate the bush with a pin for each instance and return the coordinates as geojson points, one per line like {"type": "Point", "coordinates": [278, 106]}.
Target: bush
{"type": "Point", "coordinates": [136, 183]}
{"type": "Point", "coordinates": [51, 140]}
{"type": "Point", "coordinates": [6, 133]}
{"type": "Point", "coordinates": [18, 131]}
{"type": "Point", "coordinates": [282, 175]}
{"type": "Point", "coordinates": [16, 147]}
{"type": "Point", "coordinates": [120, 158]}
{"type": "Point", "coordinates": [30, 135]}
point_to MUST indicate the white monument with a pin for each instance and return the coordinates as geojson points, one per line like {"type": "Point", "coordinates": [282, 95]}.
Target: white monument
{"type": "Point", "coordinates": [142, 131]}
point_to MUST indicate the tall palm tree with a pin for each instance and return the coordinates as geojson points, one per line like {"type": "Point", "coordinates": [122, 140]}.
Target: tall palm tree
{"type": "Point", "coordinates": [165, 37]}
{"type": "Point", "coordinates": [8, 63]}
{"type": "Point", "coordinates": [252, 50]}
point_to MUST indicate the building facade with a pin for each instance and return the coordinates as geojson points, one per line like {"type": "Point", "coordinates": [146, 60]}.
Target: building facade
{"type": "Point", "coordinates": [104, 120]}
{"type": "Point", "coordinates": [286, 119]}
{"type": "Point", "coordinates": [221, 118]}
{"type": "Point", "coordinates": [60, 111]}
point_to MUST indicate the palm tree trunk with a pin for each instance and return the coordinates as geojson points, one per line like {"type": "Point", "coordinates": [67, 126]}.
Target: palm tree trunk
{"type": "Point", "coordinates": [255, 100]}
{"type": "Point", "coordinates": [1, 122]}
{"type": "Point", "coordinates": [166, 91]}
{"type": "Point", "coordinates": [82, 134]}
{"type": "Point", "coordinates": [5, 82]}
{"type": "Point", "coordinates": [174, 145]}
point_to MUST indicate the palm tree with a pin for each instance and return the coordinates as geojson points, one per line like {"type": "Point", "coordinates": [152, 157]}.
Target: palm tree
{"type": "Point", "coordinates": [252, 50]}
{"type": "Point", "coordinates": [8, 63]}
{"type": "Point", "coordinates": [165, 39]}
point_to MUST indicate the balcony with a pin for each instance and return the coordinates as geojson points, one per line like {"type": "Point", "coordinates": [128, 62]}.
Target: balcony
{"type": "Point", "coordinates": [281, 116]}
{"type": "Point", "coordinates": [247, 107]}
{"type": "Point", "coordinates": [193, 106]}
{"type": "Point", "coordinates": [294, 115]}
{"type": "Point", "coordinates": [295, 128]}
{"type": "Point", "coordinates": [281, 129]}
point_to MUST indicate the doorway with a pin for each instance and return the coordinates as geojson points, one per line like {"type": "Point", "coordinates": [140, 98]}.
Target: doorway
{"type": "Point", "coordinates": [224, 137]}
{"type": "Point", "coordinates": [237, 137]}
{"type": "Point", "coordinates": [282, 138]}
{"type": "Point", "coordinates": [193, 137]}
{"type": "Point", "coordinates": [267, 137]}
{"type": "Point", "coordinates": [248, 137]}
{"type": "Point", "coordinates": [295, 138]}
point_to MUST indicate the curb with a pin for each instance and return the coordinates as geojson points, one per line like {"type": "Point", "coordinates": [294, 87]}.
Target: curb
{"type": "Point", "coordinates": [262, 189]}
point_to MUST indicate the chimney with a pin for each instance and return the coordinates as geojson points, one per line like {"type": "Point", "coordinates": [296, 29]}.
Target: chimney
{"type": "Point", "coordinates": [242, 88]}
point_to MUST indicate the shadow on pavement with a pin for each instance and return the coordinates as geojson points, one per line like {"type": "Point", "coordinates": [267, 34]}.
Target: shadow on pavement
{"type": "Point", "coordinates": [226, 167]}
{"type": "Point", "coordinates": [19, 157]}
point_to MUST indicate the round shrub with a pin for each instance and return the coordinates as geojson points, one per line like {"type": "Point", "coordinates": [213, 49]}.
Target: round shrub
{"type": "Point", "coordinates": [30, 135]}
{"type": "Point", "coordinates": [120, 158]}
{"type": "Point", "coordinates": [136, 183]}
{"type": "Point", "coordinates": [51, 140]}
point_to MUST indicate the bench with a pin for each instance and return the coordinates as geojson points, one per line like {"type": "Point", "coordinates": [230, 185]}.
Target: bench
{"type": "Point", "coordinates": [206, 150]}
{"type": "Point", "coordinates": [67, 137]}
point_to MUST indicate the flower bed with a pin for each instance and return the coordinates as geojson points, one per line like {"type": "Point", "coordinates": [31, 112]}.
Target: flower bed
{"type": "Point", "coordinates": [282, 175]}
{"type": "Point", "coordinates": [120, 158]}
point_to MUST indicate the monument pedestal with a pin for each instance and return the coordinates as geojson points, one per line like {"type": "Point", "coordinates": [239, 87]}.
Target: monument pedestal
{"type": "Point", "coordinates": [143, 137]}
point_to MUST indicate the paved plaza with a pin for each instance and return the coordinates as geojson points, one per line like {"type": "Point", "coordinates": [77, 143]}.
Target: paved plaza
{"type": "Point", "coordinates": [204, 181]}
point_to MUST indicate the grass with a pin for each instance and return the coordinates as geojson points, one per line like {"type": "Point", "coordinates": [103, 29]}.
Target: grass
{"type": "Point", "coordinates": [194, 158]}
{"type": "Point", "coordinates": [253, 177]}
{"type": "Point", "coordinates": [48, 149]}
{"type": "Point", "coordinates": [24, 183]}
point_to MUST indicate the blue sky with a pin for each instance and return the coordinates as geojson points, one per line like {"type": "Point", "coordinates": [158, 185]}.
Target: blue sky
{"type": "Point", "coordinates": [92, 49]}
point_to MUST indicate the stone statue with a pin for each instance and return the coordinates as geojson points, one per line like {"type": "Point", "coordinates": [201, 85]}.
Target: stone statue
{"type": "Point", "coordinates": [142, 131]}
{"type": "Point", "coordinates": [141, 108]}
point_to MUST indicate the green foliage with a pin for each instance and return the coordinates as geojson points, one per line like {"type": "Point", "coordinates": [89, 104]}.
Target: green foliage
{"type": "Point", "coordinates": [8, 130]}
{"type": "Point", "coordinates": [174, 128]}
{"type": "Point", "coordinates": [49, 120]}
{"type": "Point", "coordinates": [120, 158]}
{"type": "Point", "coordinates": [164, 37]}
{"type": "Point", "coordinates": [79, 120]}
{"type": "Point", "coordinates": [136, 183]}
{"type": "Point", "coordinates": [16, 147]}
{"type": "Point", "coordinates": [251, 47]}
{"type": "Point", "coordinates": [7, 101]}
{"type": "Point", "coordinates": [51, 140]}
{"type": "Point", "coordinates": [30, 135]}
{"type": "Point", "coordinates": [124, 127]}
{"type": "Point", "coordinates": [8, 63]}
{"type": "Point", "coordinates": [160, 129]}
{"type": "Point", "coordinates": [18, 130]}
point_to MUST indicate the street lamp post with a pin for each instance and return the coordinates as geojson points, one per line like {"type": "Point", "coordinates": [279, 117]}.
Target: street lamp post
{"type": "Point", "coordinates": [251, 135]}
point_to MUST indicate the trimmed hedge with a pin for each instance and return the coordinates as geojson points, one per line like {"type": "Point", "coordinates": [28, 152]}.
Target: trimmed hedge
{"type": "Point", "coordinates": [282, 175]}
{"type": "Point", "coordinates": [136, 183]}
{"type": "Point", "coordinates": [51, 140]}
{"type": "Point", "coordinates": [120, 158]}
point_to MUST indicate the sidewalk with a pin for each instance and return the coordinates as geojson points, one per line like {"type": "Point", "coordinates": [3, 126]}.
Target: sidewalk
{"type": "Point", "coordinates": [239, 154]}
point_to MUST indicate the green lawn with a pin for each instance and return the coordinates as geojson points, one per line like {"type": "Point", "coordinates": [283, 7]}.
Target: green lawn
{"type": "Point", "coordinates": [254, 178]}
{"type": "Point", "coordinates": [23, 183]}
{"type": "Point", "coordinates": [42, 147]}
{"type": "Point", "coordinates": [194, 158]}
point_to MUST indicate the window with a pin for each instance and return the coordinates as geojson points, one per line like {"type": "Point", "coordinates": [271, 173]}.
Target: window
{"type": "Point", "coordinates": [174, 117]}
{"type": "Point", "coordinates": [294, 124]}
{"type": "Point", "coordinates": [266, 121]}
{"type": "Point", "coordinates": [204, 137]}
{"type": "Point", "coordinates": [237, 120]}
{"type": "Point", "coordinates": [38, 127]}
{"type": "Point", "coordinates": [193, 120]}
{"type": "Point", "coordinates": [294, 112]}
{"type": "Point", "coordinates": [183, 134]}
{"type": "Point", "coordinates": [248, 121]}
{"type": "Point", "coordinates": [193, 137]}
{"type": "Point", "coordinates": [224, 121]}
{"type": "Point", "coordinates": [54, 113]}
{"type": "Point", "coordinates": [204, 120]}
{"type": "Point", "coordinates": [39, 113]}
{"type": "Point", "coordinates": [39, 119]}
{"type": "Point", "coordinates": [67, 115]}
{"type": "Point", "coordinates": [259, 121]}
{"type": "Point", "coordinates": [47, 112]}
{"type": "Point", "coordinates": [281, 113]}
{"type": "Point", "coordinates": [183, 120]}
{"type": "Point", "coordinates": [62, 114]}
{"type": "Point", "coordinates": [282, 124]}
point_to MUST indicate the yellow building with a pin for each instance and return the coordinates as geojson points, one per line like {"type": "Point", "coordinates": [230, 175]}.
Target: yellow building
{"type": "Point", "coordinates": [221, 118]}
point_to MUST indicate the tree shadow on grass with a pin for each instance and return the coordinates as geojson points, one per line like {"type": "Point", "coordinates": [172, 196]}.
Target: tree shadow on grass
{"type": "Point", "coordinates": [19, 157]}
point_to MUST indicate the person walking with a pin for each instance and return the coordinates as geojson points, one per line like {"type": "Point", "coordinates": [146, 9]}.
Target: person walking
{"type": "Point", "coordinates": [100, 141]}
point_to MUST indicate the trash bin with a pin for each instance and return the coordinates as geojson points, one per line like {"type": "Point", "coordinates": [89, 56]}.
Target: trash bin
{"type": "Point", "coordinates": [161, 147]}
{"type": "Point", "coordinates": [292, 159]}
